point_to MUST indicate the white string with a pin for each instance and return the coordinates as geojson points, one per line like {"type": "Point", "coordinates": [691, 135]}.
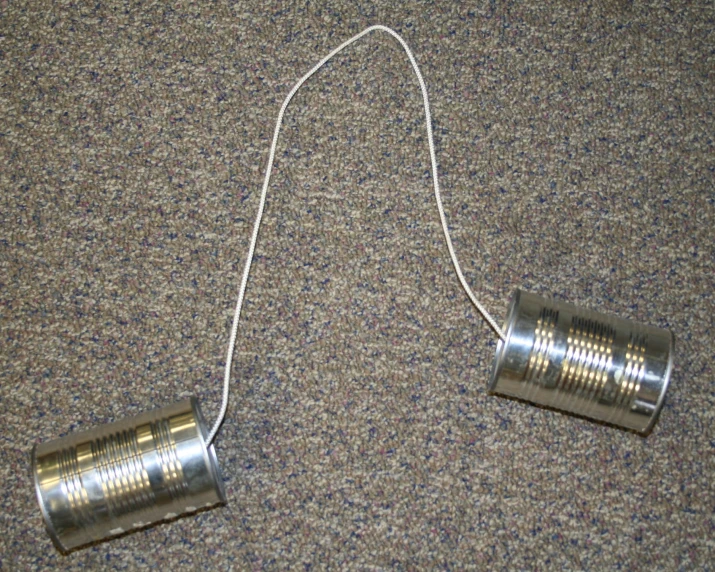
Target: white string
{"type": "Point", "coordinates": [266, 181]}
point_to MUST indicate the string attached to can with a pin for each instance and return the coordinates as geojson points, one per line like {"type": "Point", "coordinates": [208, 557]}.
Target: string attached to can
{"type": "Point", "coordinates": [266, 181]}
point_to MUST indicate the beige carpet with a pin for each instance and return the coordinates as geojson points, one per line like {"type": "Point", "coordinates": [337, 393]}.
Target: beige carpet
{"type": "Point", "coordinates": [575, 146]}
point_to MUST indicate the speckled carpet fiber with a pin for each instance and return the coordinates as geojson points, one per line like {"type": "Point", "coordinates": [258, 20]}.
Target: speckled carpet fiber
{"type": "Point", "coordinates": [575, 145]}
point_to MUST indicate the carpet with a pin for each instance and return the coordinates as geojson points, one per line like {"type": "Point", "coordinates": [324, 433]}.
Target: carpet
{"type": "Point", "coordinates": [575, 151]}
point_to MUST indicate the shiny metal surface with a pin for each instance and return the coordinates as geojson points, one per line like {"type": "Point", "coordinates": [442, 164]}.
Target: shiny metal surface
{"type": "Point", "coordinates": [125, 475]}
{"type": "Point", "coordinates": [585, 362]}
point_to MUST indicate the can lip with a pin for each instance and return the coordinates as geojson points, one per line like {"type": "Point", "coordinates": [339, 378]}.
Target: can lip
{"type": "Point", "coordinates": [209, 450]}
{"type": "Point", "coordinates": [45, 515]}
{"type": "Point", "coordinates": [666, 383]}
{"type": "Point", "coordinates": [502, 344]}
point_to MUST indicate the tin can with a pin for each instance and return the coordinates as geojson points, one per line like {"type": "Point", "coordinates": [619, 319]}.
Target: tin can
{"type": "Point", "coordinates": [126, 475]}
{"type": "Point", "coordinates": [584, 362]}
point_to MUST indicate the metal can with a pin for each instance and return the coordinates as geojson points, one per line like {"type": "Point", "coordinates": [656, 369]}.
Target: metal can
{"type": "Point", "coordinates": [126, 475]}
{"type": "Point", "coordinates": [591, 364]}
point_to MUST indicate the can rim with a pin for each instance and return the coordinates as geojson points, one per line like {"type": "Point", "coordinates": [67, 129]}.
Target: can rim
{"type": "Point", "coordinates": [502, 344]}
{"type": "Point", "coordinates": [666, 383]}
{"type": "Point", "coordinates": [45, 515]}
{"type": "Point", "coordinates": [209, 450]}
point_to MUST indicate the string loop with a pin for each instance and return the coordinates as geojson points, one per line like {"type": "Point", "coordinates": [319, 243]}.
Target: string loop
{"type": "Point", "coordinates": [266, 181]}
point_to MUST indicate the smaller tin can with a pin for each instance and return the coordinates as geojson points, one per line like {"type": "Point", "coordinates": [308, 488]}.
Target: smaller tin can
{"type": "Point", "coordinates": [584, 362]}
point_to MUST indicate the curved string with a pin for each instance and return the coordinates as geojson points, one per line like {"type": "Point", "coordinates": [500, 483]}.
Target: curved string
{"type": "Point", "coordinates": [266, 181]}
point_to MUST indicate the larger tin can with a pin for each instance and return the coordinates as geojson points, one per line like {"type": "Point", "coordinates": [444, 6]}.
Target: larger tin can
{"type": "Point", "coordinates": [126, 475]}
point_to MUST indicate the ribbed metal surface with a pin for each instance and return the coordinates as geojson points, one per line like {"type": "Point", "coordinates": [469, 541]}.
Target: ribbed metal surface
{"type": "Point", "coordinates": [581, 361]}
{"type": "Point", "coordinates": [126, 475]}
